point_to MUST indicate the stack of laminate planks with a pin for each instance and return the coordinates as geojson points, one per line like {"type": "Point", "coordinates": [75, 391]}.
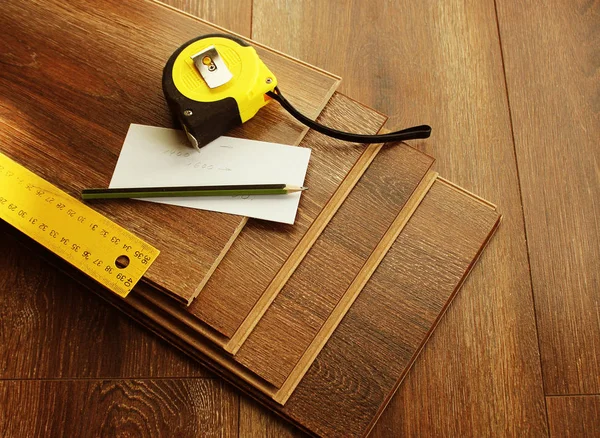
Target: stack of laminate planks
{"type": "Point", "coordinates": [319, 321]}
{"type": "Point", "coordinates": [330, 345]}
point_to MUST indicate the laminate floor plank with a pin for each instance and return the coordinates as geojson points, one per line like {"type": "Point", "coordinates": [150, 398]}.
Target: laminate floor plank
{"type": "Point", "coordinates": [73, 80]}
{"type": "Point", "coordinates": [141, 408]}
{"type": "Point", "coordinates": [574, 416]}
{"type": "Point", "coordinates": [440, 63]}
{"type": "Point", "coordinates": [233, 15]}
{"type": "Point", "coordinates": [308, 298]}
{"type": "Point", "coordinates": [372, 349]}
{"type": "Point", "coordinates": [551, 60]}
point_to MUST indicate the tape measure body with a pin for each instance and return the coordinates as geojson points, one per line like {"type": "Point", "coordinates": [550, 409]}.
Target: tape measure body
{"type": "Point", "coordinates": [207, 113]}
{"type": "Point", "coordinates": [80, 235]}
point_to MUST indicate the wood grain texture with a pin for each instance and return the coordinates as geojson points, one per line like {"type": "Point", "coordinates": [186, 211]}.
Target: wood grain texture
{"type": "Point", "coordinates": [72, 81]}
{"type": "Point", "coordinates": [50, 328]}
{"type": "Point", "coordinates": [262, 247]}
{"type": "Point", "coordinates": [256, 421]}
{"type": "Point", "coordinates": [140, 408]}
{"type": "Point", "coordinates": [311, 294]}
{"type": "Point", "coordinates": [552, 59]}
{"type": "Point", "coordinates": [234, 15]}
{"type": "Point", "coordinates": [574, 416]}
{"type": "Point", "coordinates": [440, 63]}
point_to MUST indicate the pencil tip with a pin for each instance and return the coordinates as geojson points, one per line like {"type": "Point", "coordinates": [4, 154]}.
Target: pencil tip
{"type": "Point", "coordinates": [303, 188]}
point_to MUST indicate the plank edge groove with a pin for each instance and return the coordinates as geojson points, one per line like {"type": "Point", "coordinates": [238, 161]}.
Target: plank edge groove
{"type": "Point", "coordinates": [222, 254]}
{"type": "Point", "coordinates": [296, 257]}
{"type": "Point", "coordinates": [360, 280]}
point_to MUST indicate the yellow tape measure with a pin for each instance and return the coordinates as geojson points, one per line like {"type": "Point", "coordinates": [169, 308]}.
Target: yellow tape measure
{"type": "Point", "coordinates": [83, 237]}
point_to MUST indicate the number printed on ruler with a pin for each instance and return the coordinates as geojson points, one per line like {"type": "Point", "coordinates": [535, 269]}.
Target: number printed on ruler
{"type": "Point", "coordinates": [80, 235]}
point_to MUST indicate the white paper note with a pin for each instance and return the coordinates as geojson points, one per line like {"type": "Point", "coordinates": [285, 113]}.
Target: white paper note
{"type": "Point", "coordinates": [155, 157]}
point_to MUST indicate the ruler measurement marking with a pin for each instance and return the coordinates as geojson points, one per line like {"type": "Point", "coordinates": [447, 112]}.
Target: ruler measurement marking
{"type": "Point", "coordinates": [78, 234]}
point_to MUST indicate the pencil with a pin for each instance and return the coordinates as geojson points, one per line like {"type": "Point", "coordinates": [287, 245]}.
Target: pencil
{"type": "Point", "coordinates": [163, 192]}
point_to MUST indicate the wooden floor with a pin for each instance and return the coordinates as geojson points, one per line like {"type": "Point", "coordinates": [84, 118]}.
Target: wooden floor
{"type": "Point", "coordinates": [512, 90]}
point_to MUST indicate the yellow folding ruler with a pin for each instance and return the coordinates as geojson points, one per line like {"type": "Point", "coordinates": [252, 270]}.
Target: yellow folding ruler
{"type": "Point", "coordinates": [83, 237]}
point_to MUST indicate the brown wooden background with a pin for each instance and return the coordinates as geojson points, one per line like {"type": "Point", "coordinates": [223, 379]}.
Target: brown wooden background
{"type": "Point", "coordinates": [512, 90]}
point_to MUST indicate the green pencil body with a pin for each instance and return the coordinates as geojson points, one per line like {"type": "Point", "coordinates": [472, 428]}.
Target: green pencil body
{"type": "Point", "coordinates": [191, 191]}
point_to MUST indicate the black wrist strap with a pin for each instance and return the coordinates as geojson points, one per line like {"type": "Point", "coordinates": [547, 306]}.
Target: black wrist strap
{"type": "Point", "coordinates": [422, 131]}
